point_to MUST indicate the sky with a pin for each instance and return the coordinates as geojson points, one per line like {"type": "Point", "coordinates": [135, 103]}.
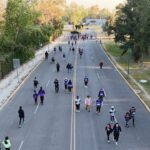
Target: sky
{"type": "Point", "coordinates": [110, 4]}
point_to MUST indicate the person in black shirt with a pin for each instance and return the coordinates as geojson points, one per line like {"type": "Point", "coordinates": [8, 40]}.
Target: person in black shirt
{"type": "Point", "coordinates": [21, 116]}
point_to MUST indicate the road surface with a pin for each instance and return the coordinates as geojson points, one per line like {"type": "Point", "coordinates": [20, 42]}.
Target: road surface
{"type": "Point", "coordinates": [56, 125]}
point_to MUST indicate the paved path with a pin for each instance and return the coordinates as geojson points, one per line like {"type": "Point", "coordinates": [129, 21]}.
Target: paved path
{"type": "Point", "coordinates": [56, 125]}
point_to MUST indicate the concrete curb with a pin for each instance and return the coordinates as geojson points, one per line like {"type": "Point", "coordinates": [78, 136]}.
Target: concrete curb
{"type": "Point", "coordinates": [116, 65]}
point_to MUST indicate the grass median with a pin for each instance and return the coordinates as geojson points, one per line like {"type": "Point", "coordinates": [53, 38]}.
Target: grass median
{"type": "Point", "coordinates": [130, 69]}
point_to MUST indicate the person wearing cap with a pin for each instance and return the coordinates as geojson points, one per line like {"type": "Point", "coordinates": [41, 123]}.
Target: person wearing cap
{"type": "Point", "coordinates": [6, 143]}
{"type": "Point", "coordinates": [112, 114]}
{"type": "Point", "coordinates": [116, 132]}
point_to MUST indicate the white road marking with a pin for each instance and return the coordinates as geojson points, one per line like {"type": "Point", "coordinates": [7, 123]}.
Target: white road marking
{"type": "Point", "coordinates": [20, 146]}
{"type": "Point", "coordinates": [47, 83]}
{"type": "Point", "coordinates": [98, 76]}
{"type": "Point", "coordinates": [36, 108]}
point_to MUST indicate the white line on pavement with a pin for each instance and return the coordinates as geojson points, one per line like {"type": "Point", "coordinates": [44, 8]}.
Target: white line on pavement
{"type": "Point", "coordinates": [20, 146]}
{"type": "Point", "coordinates": [47, 83]}
{"type": "Point", "coordinates": [98, 76]}
{"type": "Point", "coordinates": [36, 108]}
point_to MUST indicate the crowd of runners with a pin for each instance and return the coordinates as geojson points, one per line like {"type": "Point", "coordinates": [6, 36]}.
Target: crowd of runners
{"type": "Point", "coordinates": [112, 127]}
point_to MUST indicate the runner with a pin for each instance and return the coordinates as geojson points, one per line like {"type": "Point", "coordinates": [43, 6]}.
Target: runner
{"type": "Point", "coordinates": [46, 55]}
{"type": "Point", "coordinates": [112, 114]}
{"type": "Point", "coordinates": [98, 105]}
{"type": "Point", "coordinates": [21, 116]}
{"type": "Point", "coordinates": [35, 83]}
{"type": "Point", "coordinates": [35, 97]}
{"type": "Point", "coordinates": [57, 67]}
{"type": "Point", "coordinates": [70, 86]}
{"type": "Point", "coordinates": [69, 67]}
{"type": "Point", "coordinates": [77, 103]}
{"type": "Point", "coordinates": [101, 64]}
{"type": "Point", "coordinates": [6, 143]}
{"type": "Point", "coordinates": [56, 83]}
{"type": "Point", "coordinates": [127, 118]}
{"type": "Point", "coordinates": [86, 81]}
{"type": "Point", "coordinates": [108, 130]}
{"type": "Point", "coordinates": [41, 93]}
{"type": "Point", "coordinates": [66, 83]}
{"type": "Point", "coordinates": [88, 103]}
{"type": "Point", "coordinates": [116, 132]}
{"type": "Point", "coordinates": [101, 93]}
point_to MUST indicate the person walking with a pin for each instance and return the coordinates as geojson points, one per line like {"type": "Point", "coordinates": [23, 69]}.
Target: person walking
{"type": "Point", "coordinates": [57, 67]}
{"type": "Point", "coordinates": [35, 97]}
{"type": "Point", "coordinates": [127, 118]}
{"type": "Point", "coordinates": [101, 93]}
{"type": "Point", "coordinates": [70, 86]}
{"type": "Point", "coordinates": [41, 93]}
{"type": "Point", "coordinates": [6, 143]}
{"type": "Point", "coordinates": [132, 115]}
{"type": "Point", "coordinates": [77, 103]}
{"type": "Point", "coordinates": [88, 103]}
{"type": "Point", "coordinates": [101, 64]}
{"type": "Point", "coordinates": [108, 130]}
{"type": "Point", "coordinates": [86, 81]}
{"type": "Point", "coordinates": [46, 55]}
{"type": "Point", "coordinates": [21, 116]}
{"type": "Point", "coordinates": [112, 114]}
{"type": "Point", "coordinates": [35, 83]}
{"type": "Point", "coordinates": [98, 105]}
{"type": "Point", "coordinates": [116, 132]}
{"type": "Point", "coordinates": [69, 67]}
{"type": "Point", "coordinates": [66, 84]}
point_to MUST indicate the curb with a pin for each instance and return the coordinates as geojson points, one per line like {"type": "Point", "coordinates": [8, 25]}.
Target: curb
{"type": "Point", "coordinates": [110, 58]}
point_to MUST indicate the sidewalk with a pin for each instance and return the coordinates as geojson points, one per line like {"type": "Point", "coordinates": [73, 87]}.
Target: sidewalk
{"type": "Point", "coordinates": [12, 82]}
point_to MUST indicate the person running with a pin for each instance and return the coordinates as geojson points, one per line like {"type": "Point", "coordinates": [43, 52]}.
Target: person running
{"type": "Point", "coordinates": [101, 64]}
{"type": "Point", "coordinates": [35, 97]}
{"type": "Point", "coordinates": [70, 86]}
{"type": "Point", "coordinates": [132, 114]}
{"type": "Point", "coordinates": [35, 83]}
{"type": "Point", "coordinates": [116, 132]}
{"type": "Point", "coordinates": [57, 67]}
{"type": "Point", "coordinates": [127, 118]}
{"type": "Point", "coordinates": [6, 143]}
{"type": "Point", "coordinates": [86, 81]}
{"type": "Point", "coordinates": [56, 83]}
{"type": "Point", "coordinates": [88, 103]}
{"type": "Point", "coordinates": [77, 103]}
{"type": "Point", "coordinates": [46, 55]}
{"type": "Point", "coordinates": [41, 93]}
{"type": "Point", "coordinates": [101, 93]}
{"type": "Point", "coordinates": [66, 83]}
{"type": "Point", "coordinates": [112, 114]}
{"type": "Point", "coordinates": [69, 67]}
{"type": "Point", "coordinates": [21, 116]}
{"type": "Point", "coordinates": [98, 105]}
{"type": "Point", "coordinates": [108, 130]}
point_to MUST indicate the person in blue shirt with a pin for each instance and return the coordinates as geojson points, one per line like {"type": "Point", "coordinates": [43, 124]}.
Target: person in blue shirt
{"type": "Point", "coordinates": [66, 83]}
{"type": "Point", "coordinates": [98, 105]}
{"type": "Point", "coordinates": [101, 93]}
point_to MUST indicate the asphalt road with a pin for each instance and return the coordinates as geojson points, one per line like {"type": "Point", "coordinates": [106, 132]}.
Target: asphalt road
{"type": "Point", "coordinates": [56, 125]}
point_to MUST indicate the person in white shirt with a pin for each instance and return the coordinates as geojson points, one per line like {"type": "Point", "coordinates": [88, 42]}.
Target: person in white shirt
{"type": "Point", "coordinates": [112, 114]}
{"type": "Point", "coordinates": [77, 103]}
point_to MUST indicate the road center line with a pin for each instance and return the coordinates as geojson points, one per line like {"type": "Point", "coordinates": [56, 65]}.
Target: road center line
{"type": "Point", "coordinates": [36, 108]}
{"type": "Point", "coordinates": [20, 146]}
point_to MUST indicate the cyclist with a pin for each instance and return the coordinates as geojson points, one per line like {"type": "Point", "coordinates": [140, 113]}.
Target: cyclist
{"type": "Point", "coordinates": [66, 83]}
{"type": "Point", "coordinates": [35, 83]}
{"type": "Point", "coordinates": [101, 93]}
{"type": "Point", "coordinates": [46, 55]}
{"type": "Point", "coordinates": [56, 83]}
{"type": "Point", "coordinates": [132, 114]}
{"type": "Point", "coordinates": [112, 114]}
